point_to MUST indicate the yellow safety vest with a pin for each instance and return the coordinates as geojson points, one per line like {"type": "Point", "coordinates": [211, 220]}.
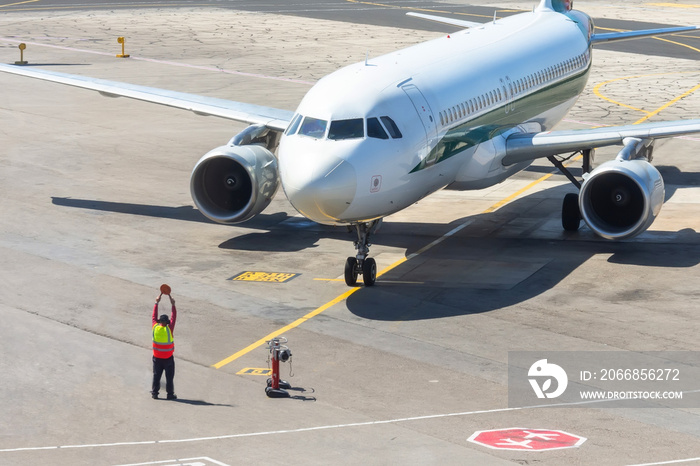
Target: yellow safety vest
{"type": "Point", "coordinates": [163, 341]}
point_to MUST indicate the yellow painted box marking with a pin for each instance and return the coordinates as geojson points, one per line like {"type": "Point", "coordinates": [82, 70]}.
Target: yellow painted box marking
{"type": "Point", "coordinates": [254, 371]}
{"type": "Point", "coordinates": [274, 277]}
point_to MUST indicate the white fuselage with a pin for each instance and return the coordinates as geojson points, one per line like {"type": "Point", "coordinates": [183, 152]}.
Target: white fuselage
{"type": "Point", "coordinates": [375, 137]}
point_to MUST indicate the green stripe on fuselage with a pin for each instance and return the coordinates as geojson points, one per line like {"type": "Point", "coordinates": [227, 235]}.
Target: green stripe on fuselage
{"type": "Point", "coordinates": [489, 125]}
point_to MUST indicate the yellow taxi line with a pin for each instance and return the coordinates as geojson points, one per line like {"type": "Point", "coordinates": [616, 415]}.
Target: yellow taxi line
{"type": "Point", "coordinates": [18, 3]}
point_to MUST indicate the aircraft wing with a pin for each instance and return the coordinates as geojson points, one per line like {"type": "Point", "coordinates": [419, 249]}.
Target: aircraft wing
{"type": "Point", "coordinates": [442, 20]}
{"type": "Point", "coordinates": [613, 36]}
{"type": "Point", "coordinates": [273, 118]}
{"type": "Point", "coordinates": [521, 147]}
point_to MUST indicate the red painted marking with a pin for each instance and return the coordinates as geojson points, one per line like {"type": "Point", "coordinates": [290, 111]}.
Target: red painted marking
{"type": "Point", "coordinates": [517, 438]}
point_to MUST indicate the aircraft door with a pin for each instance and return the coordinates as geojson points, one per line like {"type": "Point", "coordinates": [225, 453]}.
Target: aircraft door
{"type": "Point", "coordinates": [425, 114]}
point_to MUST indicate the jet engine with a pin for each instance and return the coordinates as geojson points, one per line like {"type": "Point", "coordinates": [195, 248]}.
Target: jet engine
{"type": "Point", "coordinates": [621, 198]}
{"type": "Point", "coordinates": [233, 183]}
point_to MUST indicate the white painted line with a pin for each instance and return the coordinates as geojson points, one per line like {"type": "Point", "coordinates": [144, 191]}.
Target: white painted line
{"type": "Point", "coordinates": [688, 460]}
{"type": "Point", "coordinates": [307, 429]}
{"type": "Point", "coordinates": [180, 461]}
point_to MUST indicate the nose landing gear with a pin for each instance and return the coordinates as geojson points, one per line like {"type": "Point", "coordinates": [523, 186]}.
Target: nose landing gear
{"type": "Point", "coordinates": [361, 264]}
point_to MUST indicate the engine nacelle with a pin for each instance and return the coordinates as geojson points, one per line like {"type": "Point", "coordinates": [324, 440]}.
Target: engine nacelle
{"type": "Point", "coordinates": [232, 184]}
{"type": "Point", "coordinates": [621, 198]}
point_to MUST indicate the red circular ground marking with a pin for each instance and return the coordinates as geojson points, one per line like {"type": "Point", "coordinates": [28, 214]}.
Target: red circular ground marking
{"type": "Point", "coordinates": [518, 438]}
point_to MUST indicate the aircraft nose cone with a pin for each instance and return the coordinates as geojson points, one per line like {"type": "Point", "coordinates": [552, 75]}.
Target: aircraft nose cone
{"type": "Point", "coordinates": [322, 191]}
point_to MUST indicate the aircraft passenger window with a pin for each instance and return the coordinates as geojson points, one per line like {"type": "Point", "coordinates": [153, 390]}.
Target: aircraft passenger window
{"type": "Point", "coordinates": [442, 121]}
{"type": "Point", "coordinates": [346, 129]}
{"type": "Point", "coordinates": [464, 109]}
{"type": "Point", "coordinates": [294, 125]}
{"type": "Point", "coordinates": [375, 130]}
{"type": "Point", "coordinates": [391, 127]}
{"type": "Point", "coordinates": [313, 127]}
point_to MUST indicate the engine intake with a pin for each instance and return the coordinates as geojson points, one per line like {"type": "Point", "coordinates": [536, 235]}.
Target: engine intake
{"type": "Point", "coordinates": [232, 184]}
{"type": "Point", "coordinates": [621, 198]}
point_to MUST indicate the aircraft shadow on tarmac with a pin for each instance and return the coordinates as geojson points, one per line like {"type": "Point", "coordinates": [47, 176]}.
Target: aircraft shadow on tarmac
{"type": "Point", "coordinates": [488, 265]}
{"type": "Point", "coordinates": [471, 275]}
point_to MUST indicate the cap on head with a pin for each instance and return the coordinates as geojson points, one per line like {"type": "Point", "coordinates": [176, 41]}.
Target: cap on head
{"type": "Point", "coordinates": [164, 319]}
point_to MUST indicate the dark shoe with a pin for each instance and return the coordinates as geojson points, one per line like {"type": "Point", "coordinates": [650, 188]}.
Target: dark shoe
{"type": "Point", "coordinates": [172, 396]}
{"type": "Point", "coordinates": [154, 395]}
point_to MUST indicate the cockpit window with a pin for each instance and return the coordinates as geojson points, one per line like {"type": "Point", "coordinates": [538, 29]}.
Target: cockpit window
{"type": "Point", "coordinates": [391, 127]}
{"type": "Point", "coordinates": [375, 130]}
{"type": "Point", "coordinates": [313, 127]}
{"type": "Point", "coordinates": [346, 129]}
{"type": "Point", "coordinates": [294, 125]}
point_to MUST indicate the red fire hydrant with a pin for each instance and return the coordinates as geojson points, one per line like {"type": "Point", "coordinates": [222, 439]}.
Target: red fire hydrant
{"type": "Point", "coordinates": [278, 352]}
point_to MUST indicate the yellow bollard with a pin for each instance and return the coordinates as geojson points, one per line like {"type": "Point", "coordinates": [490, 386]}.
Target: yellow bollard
{"type": "Point", "coordinates": [122, 41]}
{"type": "Point", "coordinates": [21, 61]}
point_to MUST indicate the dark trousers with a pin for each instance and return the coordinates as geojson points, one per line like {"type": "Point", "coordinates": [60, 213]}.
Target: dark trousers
{"type": "Point", "coordinates": [160, 365]}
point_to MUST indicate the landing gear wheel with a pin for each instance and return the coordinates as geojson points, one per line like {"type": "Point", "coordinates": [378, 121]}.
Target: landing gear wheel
{"type": "Point", "coordinates": [369, 271]}
{"type": "Point", "coordinates": [351, 271]}
{"type": "Point", "coordinates": [570, 213]}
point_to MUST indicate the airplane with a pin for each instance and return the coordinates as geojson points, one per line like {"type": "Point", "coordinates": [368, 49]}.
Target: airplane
{"type": "Point", "coordinates": [464, 111]}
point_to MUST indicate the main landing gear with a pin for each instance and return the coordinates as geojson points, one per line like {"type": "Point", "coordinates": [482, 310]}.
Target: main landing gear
{"type": "Point", "coordinates": [570, 212]}
{"type": "Point", "coordinates": [361, 264]}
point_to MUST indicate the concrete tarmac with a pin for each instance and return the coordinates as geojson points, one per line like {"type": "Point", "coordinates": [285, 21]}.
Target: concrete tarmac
{"type": "Point", "coordinates": [96, 214]}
